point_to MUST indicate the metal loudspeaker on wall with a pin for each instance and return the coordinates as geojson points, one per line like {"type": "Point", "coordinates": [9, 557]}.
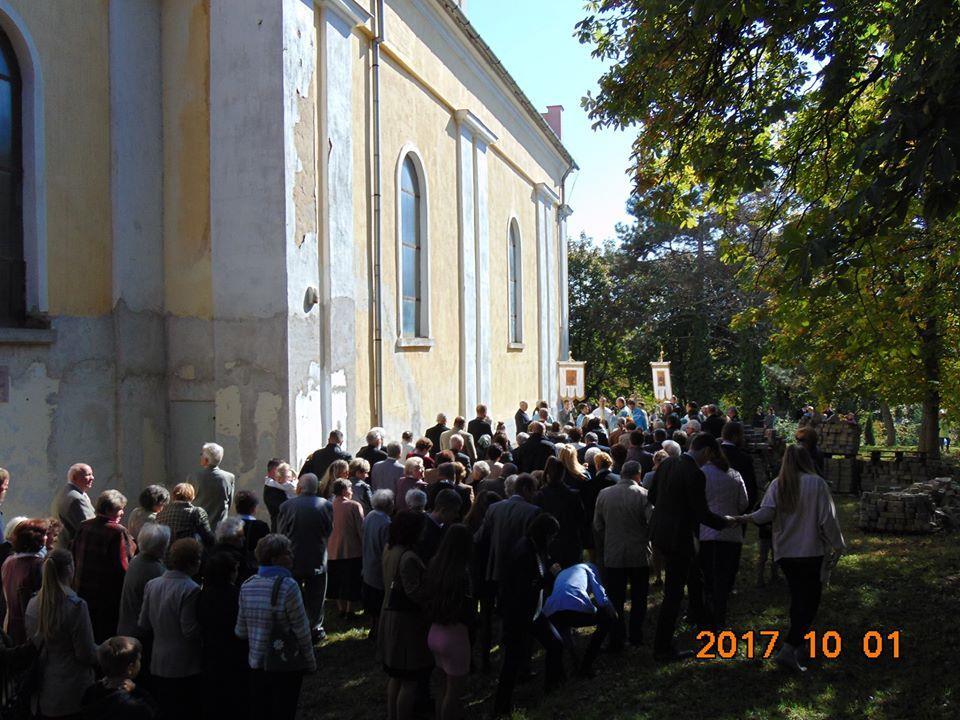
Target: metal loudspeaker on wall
{"type": "Point", "coordinates": [662, 387]}
{"type": "Point", "coordinates": [572, 374]}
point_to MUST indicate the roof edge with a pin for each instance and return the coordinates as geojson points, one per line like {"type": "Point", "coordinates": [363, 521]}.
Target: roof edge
{"type": "Point", "coordinates": [461, 20]}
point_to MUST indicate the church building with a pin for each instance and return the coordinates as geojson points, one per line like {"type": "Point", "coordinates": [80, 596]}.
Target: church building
{"type": "Point", "coordinates": [254, 221]}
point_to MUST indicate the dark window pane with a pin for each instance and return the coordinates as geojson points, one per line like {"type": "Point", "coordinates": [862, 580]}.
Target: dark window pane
{"type": "Point", "coordinates": [10, 242]}
{"type": "Point", "coordinates": [7, 153]}
{"type": "Point", "coordinates": [408, 178]}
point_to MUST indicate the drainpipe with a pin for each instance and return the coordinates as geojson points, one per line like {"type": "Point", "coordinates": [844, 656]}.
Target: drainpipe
{"type": "Point", "coordinates": [377, 223]}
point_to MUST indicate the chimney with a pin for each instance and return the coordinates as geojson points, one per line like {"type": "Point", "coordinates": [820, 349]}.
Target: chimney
{"type": "Point", "coordinates": [553, 118]}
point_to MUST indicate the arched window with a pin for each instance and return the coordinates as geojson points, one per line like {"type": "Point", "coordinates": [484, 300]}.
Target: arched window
{"type": "Point", "coordinates": [515, 281]}
{"type": "Point", "coordinates": [12, 267]}
{"type": "Point", "coordinates": [413, 266]}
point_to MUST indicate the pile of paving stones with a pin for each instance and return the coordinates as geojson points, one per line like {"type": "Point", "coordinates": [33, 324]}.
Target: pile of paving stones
{"type": "Point", "coordinates": [841, 474]}
{"type": "Point", "coordinates": [923, 507]}
{"type": "Point", "coordinates": [838, 437]}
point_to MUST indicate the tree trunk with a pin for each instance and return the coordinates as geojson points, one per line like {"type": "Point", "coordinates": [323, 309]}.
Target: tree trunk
{"type": "Point", "coordinates": [930, 418]}
{"type": "Point", "coordinates": [889, 429]}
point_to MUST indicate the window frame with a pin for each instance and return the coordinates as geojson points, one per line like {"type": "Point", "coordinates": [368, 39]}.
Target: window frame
{"type": "Point", "coordinates": [514, 285]}
{"type": "Point", "coordinates": [422, 338]}
{"type": "Point", "coordinates": [18, 305]}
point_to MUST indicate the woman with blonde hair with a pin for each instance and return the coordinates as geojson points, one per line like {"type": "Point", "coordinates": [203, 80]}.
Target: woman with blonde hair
{"type": "Point", "coordinates": [574, 474]}
{"type": "Point", "coordinates": [184, 518]}
{"type": "Point", "coordinates": [807, 541]}
{"type": "Point", "coordinates": [58, 623]}
{"type": "Point", "coordinates": [338, 470]}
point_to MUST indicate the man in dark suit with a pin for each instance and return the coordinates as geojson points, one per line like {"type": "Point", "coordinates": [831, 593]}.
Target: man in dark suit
{"type": "Point", "coordinates": [526, 582]}
{"type": "Point", "coordinates": [480, 425]}
{"type": "Point", "coordinates": [447, 480]}
{"type": "Point", "coordinates": [456, 447]}
{"type": "Point", "coordinates": [323, 458]}
{"type": "Point", "coordinates": [533, 454]}
{"type": "Point", "coordinates": [505, 523]}
{"type": "Point", "coordinates": [215, 486]}
{"type": "Point", "coordinates": [740, 461]}
{"type": "Point", "coordinates": [590, 440]}
{"type": "Point", "coordinates": [307, 520]}
{"type": "Point", "coordinates": [434, 433]}
{"type": "Point", "coordinates": [678, 494]}
{"type": "Point", "coordinates": [636, 452]}
{"type": "Point", "coordinates": [371, 452]}
{"type": "Point", "coordinates": [521, 419]}
{"type": "Point", "coordinates": [714, 421]}
{"type": "Point", "coordinates": [566, 505]}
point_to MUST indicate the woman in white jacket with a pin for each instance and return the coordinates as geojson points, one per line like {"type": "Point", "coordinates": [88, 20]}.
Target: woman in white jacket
{"type": "Point", "coordinates": [807, 541]}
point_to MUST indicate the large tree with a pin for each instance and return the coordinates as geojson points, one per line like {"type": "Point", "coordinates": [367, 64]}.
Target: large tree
{"type": "Point", "coordinates": [845, 114]}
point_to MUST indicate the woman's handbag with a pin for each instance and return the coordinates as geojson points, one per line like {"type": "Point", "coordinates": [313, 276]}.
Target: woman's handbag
{"type": "Point", "coordinates": [284, 653]}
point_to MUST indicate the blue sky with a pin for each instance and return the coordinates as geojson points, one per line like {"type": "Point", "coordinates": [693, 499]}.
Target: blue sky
{"type": "Point", "coordinates": [534, 40]}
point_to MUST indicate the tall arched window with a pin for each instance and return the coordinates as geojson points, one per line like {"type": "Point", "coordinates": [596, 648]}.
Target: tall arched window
{"type": "Point", "coordinates": [410, 253]}
{"type": "Point", "coordinates": [12, 268]}
{"type": "Point", "coordinates": [515, 279]}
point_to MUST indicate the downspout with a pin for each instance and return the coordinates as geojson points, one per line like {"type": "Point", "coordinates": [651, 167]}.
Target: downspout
{"type": "Point", "coordinates": [377, 222]}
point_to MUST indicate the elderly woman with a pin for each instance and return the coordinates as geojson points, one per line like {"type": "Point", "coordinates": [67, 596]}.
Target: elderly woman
{"type": "Point", "coordinates": [345, 549]}
{"type": "Point", "coordinates": [270, 595]}
{"type": "Point", "coordinates": [376, 527]}
{"type": "Point", "coordinates": [147, 565]}
{"type": "Point", "coordinates": [359, 471]}
{"type": "Point", "coordinates": [231, 542]}
{"type": "Point", "coordinates": [21, 575]}
{"type": "Point", "coordinates": [58, 623]}
{"type": "Point", "coordinates": [185, 519]}
{"type": "Point", "coordinates": [102, 551]}
{"type": "Point", "coordinates": [152, 500]}
{"type": "Point", "coordinates": [169, 611]}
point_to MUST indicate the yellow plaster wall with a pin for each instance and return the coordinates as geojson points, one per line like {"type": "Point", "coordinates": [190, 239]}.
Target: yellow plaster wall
{"type": "Point", "coordinates": [408, 115]}
{"type": "Point", "coordinates": [185, 47]}
{"type": "Point", "coordinates": [420, 90]}
{"type": "Point", "coordinates": [514, 372]}
{"type": "Point", "coordinates": [72, 40]}
{"type": "Point", "coordinates": [418, 41]}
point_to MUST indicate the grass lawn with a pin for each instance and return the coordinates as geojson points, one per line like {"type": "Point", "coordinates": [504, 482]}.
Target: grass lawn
{"type": "Point", "coordinates": [884, 583]}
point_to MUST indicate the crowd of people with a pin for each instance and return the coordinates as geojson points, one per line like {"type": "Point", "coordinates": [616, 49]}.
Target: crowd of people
{"type": "Point", "coordinates": [442, 547]}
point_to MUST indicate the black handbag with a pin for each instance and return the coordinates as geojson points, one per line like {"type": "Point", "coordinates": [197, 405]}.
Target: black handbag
{"type": "Point", "coordinates": [284, 653]}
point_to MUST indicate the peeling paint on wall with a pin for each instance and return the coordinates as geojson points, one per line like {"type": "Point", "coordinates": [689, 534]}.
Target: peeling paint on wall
{"type": "Point", "coordinates": [228, 412]}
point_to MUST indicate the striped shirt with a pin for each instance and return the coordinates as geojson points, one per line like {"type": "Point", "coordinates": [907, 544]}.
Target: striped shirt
{"type": "Point", "coordinates": [255, 618]}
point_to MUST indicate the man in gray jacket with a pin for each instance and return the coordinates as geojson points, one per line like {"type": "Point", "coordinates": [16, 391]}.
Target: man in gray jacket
{"type": "Point", "coordinates": [72, 505]}
{"type": "Point", "coordinates": [621, 531]}
{"type": "Point", "coordinates": [214, 486]}
{"type": "Point", "coordinates": [307, 520]}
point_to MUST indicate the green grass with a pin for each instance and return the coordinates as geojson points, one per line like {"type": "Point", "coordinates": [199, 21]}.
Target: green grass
{"type": "Point", "coordinates": [885, 583]}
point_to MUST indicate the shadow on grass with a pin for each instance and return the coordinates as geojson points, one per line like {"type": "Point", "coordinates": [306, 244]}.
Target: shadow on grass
{"type": "Point", "coordinates": [884, 583]}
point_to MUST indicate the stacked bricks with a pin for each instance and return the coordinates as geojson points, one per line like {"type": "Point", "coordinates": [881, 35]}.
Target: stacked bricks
{"type": "Point", "coordinates": [838, 437]}
{"type": "Point", "coordinates": [923, 507]}
{"type": "Point", "coordinates": [841, 474]}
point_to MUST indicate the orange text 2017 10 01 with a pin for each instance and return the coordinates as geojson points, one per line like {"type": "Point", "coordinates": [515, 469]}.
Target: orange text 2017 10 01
{"type": "Point", "coordinates": [751, 644]}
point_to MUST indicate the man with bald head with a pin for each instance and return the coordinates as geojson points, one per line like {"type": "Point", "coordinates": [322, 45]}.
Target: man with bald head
{"type": "Point", "coordinates": [436, 432]}
{"type": "Point", "coordinates": [307, 520]}
{"type": "Point", "coordinates": [72, 505]}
